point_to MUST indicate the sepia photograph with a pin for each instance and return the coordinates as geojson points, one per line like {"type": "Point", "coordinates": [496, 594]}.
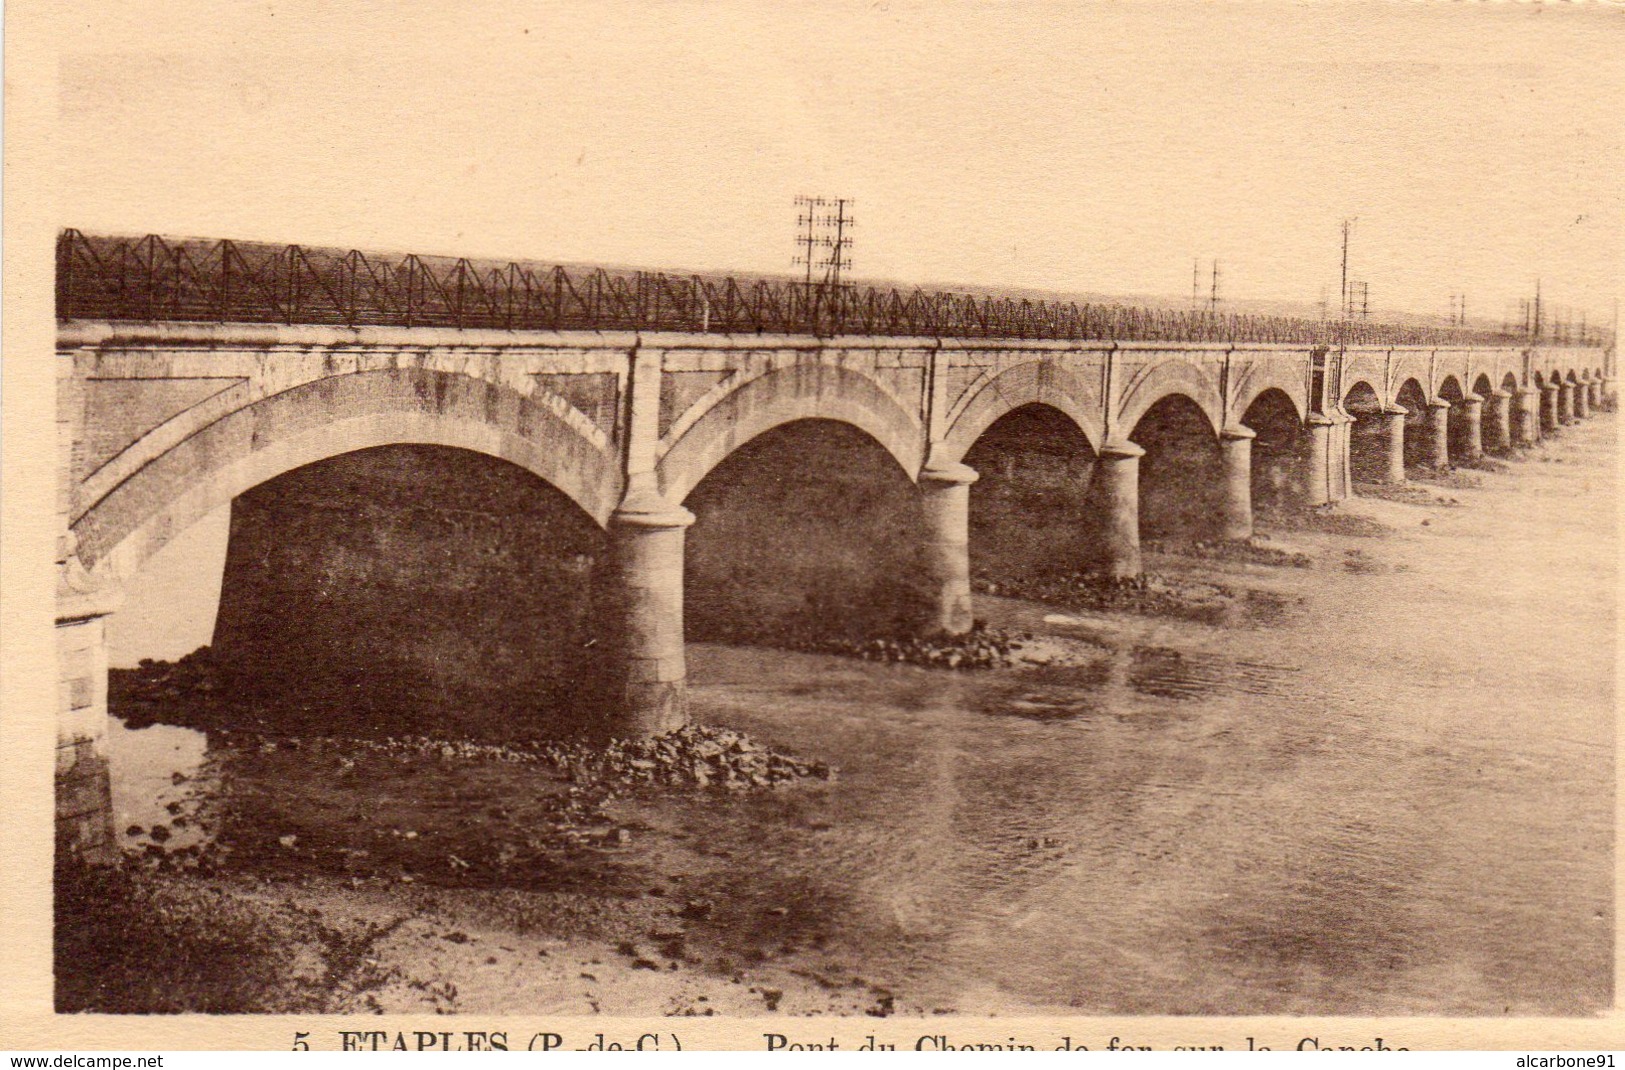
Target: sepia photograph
{"type": "Point", "coordinates": [881, 512]}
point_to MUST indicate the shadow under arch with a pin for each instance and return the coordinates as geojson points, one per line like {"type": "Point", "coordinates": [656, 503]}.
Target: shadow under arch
{"type": "Point", "coordinates": [1458, 425]}
{"type": "Point", "coordinates": [407, 589]}
{"type": "Point", "coordinates": [1368, 437]}
{"type": "Point", "coordinates": [1418, 434]}
{"type": "Point", "coordinates": [1279, 450]}
{"type": "Point", "coordinates": [1030, 509]}
{"type": "Point", "coordinates": [810, 530]}
{"type": "Point", "coordinates": [1181, 474]}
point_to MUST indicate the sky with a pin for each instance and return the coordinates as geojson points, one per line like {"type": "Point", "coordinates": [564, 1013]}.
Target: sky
{"type": "Point", "coordinates": [1086, 147]}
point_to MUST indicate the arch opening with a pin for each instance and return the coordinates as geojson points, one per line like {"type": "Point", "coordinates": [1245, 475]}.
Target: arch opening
{"type": "Point", "coordinates": [1030, 512]}
{"type": "Point", "coordinates": [809, 531]}
{"type": "Point", "coordinates": [1418, 436]}
{"type": "Point", "coordinates": [1516, 406]}
{"type": "Point", "coordinates": [1181, 474]}
{"type": "Point", "coordinates": [1368, 437]}
{"type": "Point", "coordinates": [403, 589]}
{"type": "Point", "coordinates": [1458, 427]}
{"type": "Point", "coordinates": [1278, 453]}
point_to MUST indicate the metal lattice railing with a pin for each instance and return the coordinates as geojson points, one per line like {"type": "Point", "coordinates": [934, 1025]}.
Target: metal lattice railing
{"type": "Point", "coordinates": [154, 278]}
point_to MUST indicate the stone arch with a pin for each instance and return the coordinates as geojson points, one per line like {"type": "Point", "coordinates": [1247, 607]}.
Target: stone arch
{"type": "Point", "coordinates": [1482, 386]}
{"type": "Point", "coordinates": [1368, 368]}
{"type": "Point", "coordinates": [1170, 378]}
{"type": "Point", "coordinates": [1039, 382]}
{"type": "Point", "coordinates": [1450, 389]}
{"type": "Point", "coordinates": [1413, 366]}
{"type": "Point", "coordinates": [1540, 380]}
{"type": "Point", "coordinates": [1509, 382]}
{"type": "Point", "coordinates": [328, 417]}
{"type": "Point", "coordinates": [806, 391]}
{"type": "Point", "coordinates": [1355, 395]}
{"type": "Point", "coordinates": [1257, 385]}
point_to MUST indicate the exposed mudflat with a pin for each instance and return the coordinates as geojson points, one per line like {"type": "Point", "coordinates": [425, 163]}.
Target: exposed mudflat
{"type": "Point", "coordinates": [1382, 785]}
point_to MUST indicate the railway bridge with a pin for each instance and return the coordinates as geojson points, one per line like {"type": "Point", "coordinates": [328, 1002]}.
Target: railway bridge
{"type": "Point", "coordinates": [191, 373]}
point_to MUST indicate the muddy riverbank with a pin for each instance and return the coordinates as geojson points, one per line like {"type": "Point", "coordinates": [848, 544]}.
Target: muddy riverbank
{"type": "Point", "coordinates": [1389, 791]}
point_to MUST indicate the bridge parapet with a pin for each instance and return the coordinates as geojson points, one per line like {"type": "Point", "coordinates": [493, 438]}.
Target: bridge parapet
{"type": "Point", "coordinates": [155, 278]}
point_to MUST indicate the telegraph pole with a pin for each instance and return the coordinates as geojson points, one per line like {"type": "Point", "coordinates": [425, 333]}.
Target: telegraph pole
{"type": "Point", "coordinates": [1344, 290]}
{"type": "Point", "coordinates": [823, 236]}
{"type": "Point", "coordinates": [807, 238]}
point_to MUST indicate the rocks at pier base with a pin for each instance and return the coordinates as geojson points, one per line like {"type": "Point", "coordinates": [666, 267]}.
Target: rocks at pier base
{"type": "Point", "coordinates": [980, 648]}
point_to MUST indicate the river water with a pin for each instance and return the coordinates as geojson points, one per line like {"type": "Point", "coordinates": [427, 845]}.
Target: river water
{"type": "Point", "coordinates": [1395, 795]}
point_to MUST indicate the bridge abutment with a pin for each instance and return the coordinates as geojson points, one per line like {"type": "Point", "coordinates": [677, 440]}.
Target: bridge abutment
{"type": "Point", "coordinates": [945, 490]}
{"type": "Point", "coordinates": [1119, 478]}
{"type": "Point", "coordinates": [84, 801]}
{"type": "Point", "coordinates": [1236, 503]}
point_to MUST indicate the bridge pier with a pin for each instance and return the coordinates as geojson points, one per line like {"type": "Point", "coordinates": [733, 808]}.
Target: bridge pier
{"type": "Point", "coordinates": [945, 490]}
{"type": "Point", "coordinates": [1593, 396]}
{"type": "Point", "coordinates": [1119, 477]}
{"type": "Point", "coordinates": [84, 797]}
{"type": "Point", "coordinates": [1439, 432]}
{"type": "Point", "coordinates": [1472, 417]}
{"type": "Point", "coordinates": [1236, 456]}
{"type": "Point", "coordinates": [1581, 406]}
{"type": "Point", "coordinates": [647, 534]}
{"type": "Point", "coordinates": [1395, 417]}
{"type": "Point", "coordinates": [1497, 431]}
{"type": "Point", "coordinates": [1548, 410]}
{"type": "Point", "coordinates": [1565, 403]}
